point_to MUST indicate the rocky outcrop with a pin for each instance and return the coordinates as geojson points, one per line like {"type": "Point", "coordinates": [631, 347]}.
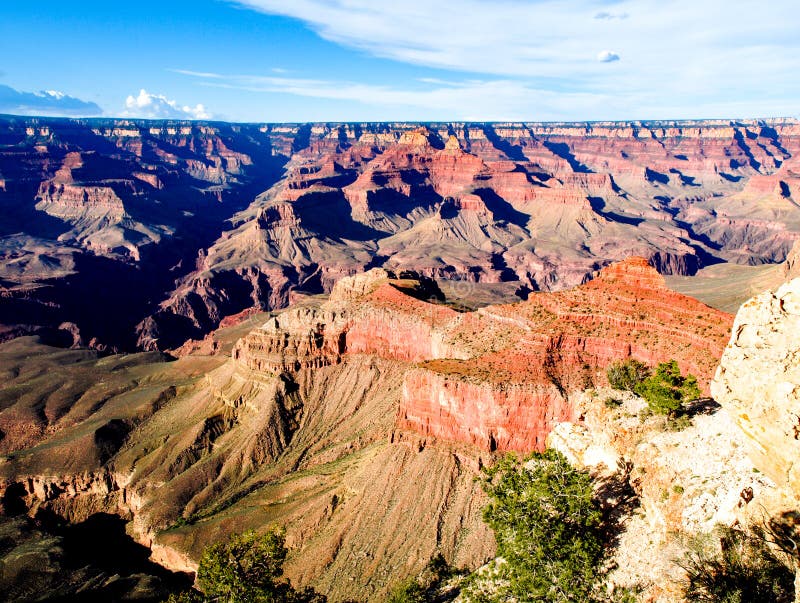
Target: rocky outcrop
{"type": "Point", "coordinates": [660, 487]}
{"type": "Point", "coordinates": [758, 381]}
{"type": "Point", "coordinates": [501, 377]}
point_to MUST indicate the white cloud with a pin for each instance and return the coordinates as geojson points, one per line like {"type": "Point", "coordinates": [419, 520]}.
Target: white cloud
{"type": "Point", "coordinates": [607, 56]}
{"type": "Point", "coordinates": [158, 106]}
{"type": "Point", "coordinates": [604, 15]}
{"type": "Point", "coordinates": [471, 100]}
{"type": "Point", "coordinates": [685, 54]}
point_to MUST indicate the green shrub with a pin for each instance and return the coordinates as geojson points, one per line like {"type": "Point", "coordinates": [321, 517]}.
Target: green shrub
{"type": "Point", "coordinates": [736, 567]}
{"type": "Point", "coordinates": [246, 569]}
{"type": "Point", "coordinates": [626, 375]}
{"type": "Point", "coordinates": [667, 390]}
{"type": "Point", "coordinates": [547, 529]}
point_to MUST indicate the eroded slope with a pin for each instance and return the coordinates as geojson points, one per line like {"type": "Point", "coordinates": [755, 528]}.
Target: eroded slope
{"type": "Point", "coordinates": [358, 422]}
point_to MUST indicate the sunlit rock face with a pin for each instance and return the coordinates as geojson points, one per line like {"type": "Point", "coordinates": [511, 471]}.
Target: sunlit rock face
{"type": "Point", "coordinates": [758, 381]}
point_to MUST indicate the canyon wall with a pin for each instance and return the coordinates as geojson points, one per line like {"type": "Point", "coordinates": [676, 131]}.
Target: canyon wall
{"type": "Point", "coordinates": [359, 422]}
{"type": "Point", "coordinates": [758, 381]}
{"type": "Point", "coordinates": [178, 225]}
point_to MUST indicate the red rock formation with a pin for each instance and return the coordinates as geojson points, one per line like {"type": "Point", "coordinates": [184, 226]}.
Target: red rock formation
{"type": "Point", "coordinates": [544, 204]}
{"type": "Point", "coordinates": [558, 200]}
{"type": "Point", "coordinates": [501, 377]}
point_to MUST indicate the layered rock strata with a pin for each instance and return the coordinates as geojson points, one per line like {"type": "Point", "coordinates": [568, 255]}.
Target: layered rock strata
{"type": "Point", "coordinates": [180, 225]}
{"type": "Point", "coordinates": [358, 422]}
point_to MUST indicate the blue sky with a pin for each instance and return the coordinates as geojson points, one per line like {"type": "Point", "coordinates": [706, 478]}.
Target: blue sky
{"type": "Point", "coordinates": [361, 60]}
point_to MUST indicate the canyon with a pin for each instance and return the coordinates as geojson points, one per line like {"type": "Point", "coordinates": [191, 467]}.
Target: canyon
{"type": "Point", "coordinates": [210, 327]}
{"type": "Point", "coordinates": [358, 420]}
{"type": "Point", "coordinates": [182, 225]}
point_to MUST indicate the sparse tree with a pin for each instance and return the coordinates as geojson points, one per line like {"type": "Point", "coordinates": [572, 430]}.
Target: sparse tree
{"type": "Point", "coordinates": [547, 528]}
{"type": "Point", "coordinates": [667, 389]}
{"type": "Point", "coordinates": [248, 568]}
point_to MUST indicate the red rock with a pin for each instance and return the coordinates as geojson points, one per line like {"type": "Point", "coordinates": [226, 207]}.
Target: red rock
{"type": "Point", "coordinates": [501, 377]}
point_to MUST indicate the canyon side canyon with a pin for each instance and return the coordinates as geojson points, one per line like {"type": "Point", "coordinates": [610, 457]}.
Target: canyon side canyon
{"type": "Point", "coordinates": [207, 328]}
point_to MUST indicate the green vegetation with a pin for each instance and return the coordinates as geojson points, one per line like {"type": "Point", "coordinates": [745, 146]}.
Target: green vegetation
{"type": "Point", "coordinates": [246, 569]}
{"type": "Point", "coordinates": [665, 391]}
{"type": "Point", "coordinates": [737, 567]}
{"type": "Point", "coordinates": [626, 375]}
{"type": "Point", "coordinates": [548, 532]}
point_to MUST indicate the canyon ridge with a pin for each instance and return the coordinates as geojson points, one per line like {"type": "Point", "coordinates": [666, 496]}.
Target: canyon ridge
{"type": "Point", "coordinates": [179, 226]}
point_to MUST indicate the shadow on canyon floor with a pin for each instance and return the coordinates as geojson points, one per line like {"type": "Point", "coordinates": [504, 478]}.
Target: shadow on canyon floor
{"type": "Point", "coordinates": [46, 559]}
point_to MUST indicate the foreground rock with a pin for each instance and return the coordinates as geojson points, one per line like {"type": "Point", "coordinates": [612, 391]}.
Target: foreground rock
{"type": "Point", "coordinates": [758, 381]}
{"type": "Point", "coordinates": [660, 487]}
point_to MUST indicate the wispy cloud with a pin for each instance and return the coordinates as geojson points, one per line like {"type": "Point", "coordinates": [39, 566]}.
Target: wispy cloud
{"type": "Point", "coordinates": [46, 102]}
{"type": "Point", "coordinates": [603, 15]}
{"type": "Point", "coordinates": [473, 99]}
{"type": "Point", "coordinates": [158, 106]}
{"type": "Point", "coordinates": [690, 55]}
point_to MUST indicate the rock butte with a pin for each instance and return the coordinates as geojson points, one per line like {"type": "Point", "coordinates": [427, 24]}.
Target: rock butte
{"type": "Point", "coordinates": [179, 225]}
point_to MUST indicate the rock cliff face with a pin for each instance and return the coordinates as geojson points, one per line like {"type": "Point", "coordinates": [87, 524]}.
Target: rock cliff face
{"type": "Point", "coordinates": [179, 225]}
{"type": "Point", "coordinates": [661, 487]}
{"type": "Point", "coordinates": [758, 381]}
{"type": "Point", "coordinates": [498, 378]}
{"type": "Point", "coordinates": [359, 422]}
